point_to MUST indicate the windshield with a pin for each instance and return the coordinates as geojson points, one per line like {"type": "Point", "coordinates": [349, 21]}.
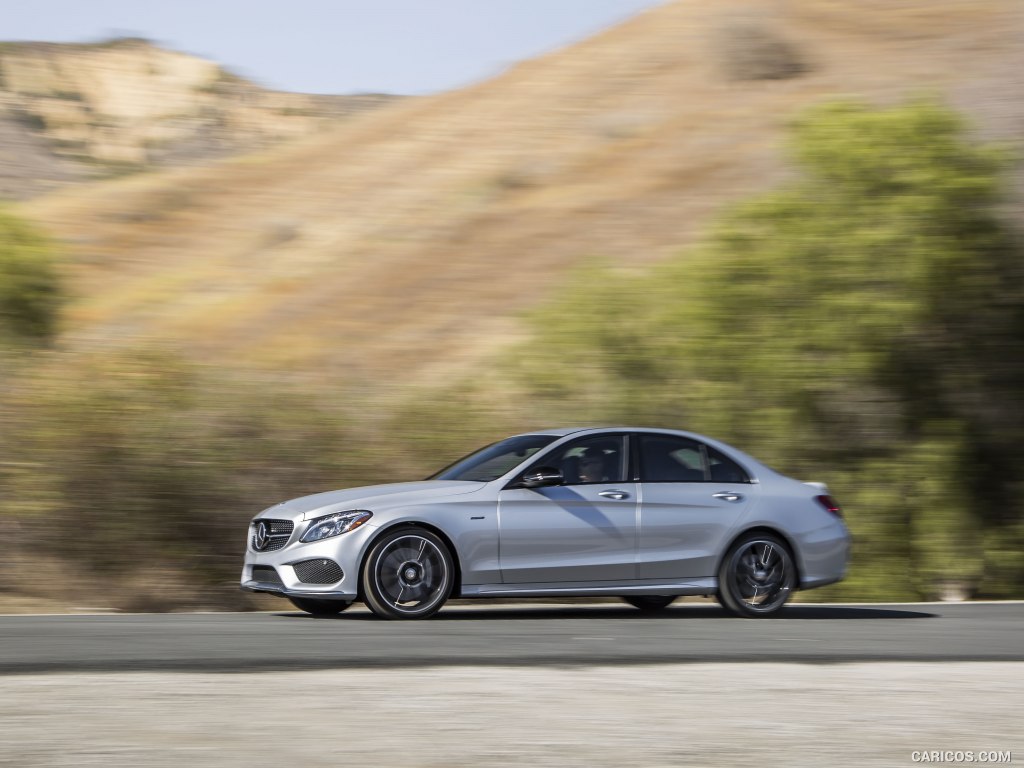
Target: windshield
{"type": "Point", "coordinates": [495, 460]}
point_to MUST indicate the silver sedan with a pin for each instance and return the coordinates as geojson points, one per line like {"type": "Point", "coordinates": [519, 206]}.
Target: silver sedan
{"type": "Point", "coordinates": [647, 515]}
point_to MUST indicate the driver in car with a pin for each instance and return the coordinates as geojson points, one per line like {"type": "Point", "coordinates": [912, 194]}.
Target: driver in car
{"type": "Point", "coordinates": [593, 468]}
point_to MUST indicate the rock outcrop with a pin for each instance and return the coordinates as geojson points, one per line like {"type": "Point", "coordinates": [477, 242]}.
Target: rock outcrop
{"type": "Point", "coordinates": [77, 111]}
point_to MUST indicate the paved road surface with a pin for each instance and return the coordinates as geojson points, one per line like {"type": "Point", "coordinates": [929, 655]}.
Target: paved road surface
{"type": "Point", "coordinates": [519, 635]}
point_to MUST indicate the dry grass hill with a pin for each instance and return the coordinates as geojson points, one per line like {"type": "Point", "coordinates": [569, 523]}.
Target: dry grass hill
{"type": "Point", "coordinates": [403, 244]}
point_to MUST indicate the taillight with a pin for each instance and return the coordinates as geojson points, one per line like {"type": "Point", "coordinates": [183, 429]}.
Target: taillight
{"type": "Point", "coordinates": [830, 504]}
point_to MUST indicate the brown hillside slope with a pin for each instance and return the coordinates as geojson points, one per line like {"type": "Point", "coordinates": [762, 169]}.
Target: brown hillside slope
{"type": "Point", "coordinates": [405, 243]}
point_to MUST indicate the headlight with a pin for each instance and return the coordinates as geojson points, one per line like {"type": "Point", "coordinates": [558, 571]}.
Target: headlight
{"type": "Point", "coordinates": [335, 525]}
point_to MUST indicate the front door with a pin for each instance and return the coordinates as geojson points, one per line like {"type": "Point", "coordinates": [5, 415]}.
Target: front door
{"type": "Point", "coordinates": [581, 531]}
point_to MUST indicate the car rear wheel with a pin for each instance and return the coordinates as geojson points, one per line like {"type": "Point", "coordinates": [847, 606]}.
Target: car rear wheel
{"type": "Point", "coordinates": [650, 603]}
{"type": "Point", "coordinates": [407, 575]}
{"type": "Point", "coordinates": [318, 607]}
{"type": "Point", "coordinates": [756, 577]}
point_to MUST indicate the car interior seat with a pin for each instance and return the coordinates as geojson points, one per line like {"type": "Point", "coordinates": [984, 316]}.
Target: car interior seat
{"type": "Point", "coordinates": [662, 467]}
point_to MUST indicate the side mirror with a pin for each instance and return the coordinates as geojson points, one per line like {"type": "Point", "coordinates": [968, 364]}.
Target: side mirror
{"type": "Point", "coordinates": [542, 477]}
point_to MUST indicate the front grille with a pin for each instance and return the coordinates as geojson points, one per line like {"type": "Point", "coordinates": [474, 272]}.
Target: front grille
{"type": "Point", "coordinates": [279, 531]}
{"type": "Point", "coordinates": [266, 574]}
{"type": "Point", "coordinates": [319, 571]}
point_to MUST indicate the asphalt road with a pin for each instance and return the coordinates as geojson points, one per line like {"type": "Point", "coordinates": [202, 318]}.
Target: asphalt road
{"type": "Point", "coordinates": [515, 635]}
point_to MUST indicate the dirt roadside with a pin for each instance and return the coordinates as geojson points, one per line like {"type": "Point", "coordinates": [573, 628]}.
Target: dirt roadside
{"type": "Point", "coordinates": [703, 714]}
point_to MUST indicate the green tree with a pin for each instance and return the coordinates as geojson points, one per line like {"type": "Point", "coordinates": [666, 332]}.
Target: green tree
{"type": "Point", "coordinates": [29, 287]}
{"type": "Point", "coordinates": [863, 325]}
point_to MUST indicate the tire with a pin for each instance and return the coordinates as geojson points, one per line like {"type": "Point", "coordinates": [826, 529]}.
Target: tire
{"type": "Point", "coordinates": [756, 562]}
{"type": "Point", "coordinates": [408, 574]}
{"type": "Point", "coordinates": [650, 603]}
{"type": "Point", "coordinates": [318, 607]}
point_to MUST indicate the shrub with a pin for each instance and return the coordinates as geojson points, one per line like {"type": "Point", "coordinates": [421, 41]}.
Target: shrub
{"type": "Point", "coordinates": [752, 51]}
{"type": "Point", "coordinates": [30, 293]}
{"type": "Point", "coordinates": [140, 464]}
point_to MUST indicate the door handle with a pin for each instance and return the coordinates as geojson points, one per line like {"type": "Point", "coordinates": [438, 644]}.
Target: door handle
{"type": "Point", "coordinates": [728, 496]}
{"type": "Point", "coordinates": [614, 494]}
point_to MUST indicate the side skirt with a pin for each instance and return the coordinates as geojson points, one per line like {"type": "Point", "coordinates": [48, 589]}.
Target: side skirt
{"type": "Point", "coordinates": [707, 586]}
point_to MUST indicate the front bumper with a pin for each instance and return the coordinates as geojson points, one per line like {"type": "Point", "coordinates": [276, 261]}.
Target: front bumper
{"type": "Point", "coordinates": [346, 551]}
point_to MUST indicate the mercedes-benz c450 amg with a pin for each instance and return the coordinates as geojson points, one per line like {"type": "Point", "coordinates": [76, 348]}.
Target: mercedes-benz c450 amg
{"type": "Point", "coordinates": [647, 515]}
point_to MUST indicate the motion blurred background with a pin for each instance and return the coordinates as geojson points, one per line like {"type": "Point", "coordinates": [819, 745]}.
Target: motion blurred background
{"type": "Point", "coordinates": [792, 224]}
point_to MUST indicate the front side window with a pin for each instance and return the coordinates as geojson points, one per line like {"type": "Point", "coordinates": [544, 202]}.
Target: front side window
{"type": "Point", "coordinates": [495, 460]}
{"type": "Point", "coordinates": [593, 459]}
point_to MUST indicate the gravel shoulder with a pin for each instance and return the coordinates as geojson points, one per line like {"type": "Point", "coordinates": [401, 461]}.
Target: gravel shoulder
{"type": "Point", "coordinates": [865, 714]}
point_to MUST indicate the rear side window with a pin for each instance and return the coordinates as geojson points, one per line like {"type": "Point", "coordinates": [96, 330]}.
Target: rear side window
{"type": "Point", "coordinates": [723, 469]}
{"type": "Point", "coordinates": [671, 459]}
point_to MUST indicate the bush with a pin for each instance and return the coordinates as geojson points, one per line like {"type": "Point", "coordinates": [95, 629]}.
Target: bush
{"type": "Point", "coordinates": [30, 294]}
{"type": "Point", "coordinates": [752, 51]}
{"type": "Point", "coordinates": [141, 469]}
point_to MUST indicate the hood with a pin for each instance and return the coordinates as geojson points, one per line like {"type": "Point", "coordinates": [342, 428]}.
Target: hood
{"type": "Point", "coordinates": [371, 497]}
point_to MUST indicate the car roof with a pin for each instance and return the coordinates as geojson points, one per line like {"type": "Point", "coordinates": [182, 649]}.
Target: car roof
{"type": "Point", "coordinates": [558, 432]}
{"type": "Point", "coordinates": [563, 431]}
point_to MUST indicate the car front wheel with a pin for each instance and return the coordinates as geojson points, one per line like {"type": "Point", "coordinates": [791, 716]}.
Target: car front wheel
{"type": "Point", "coordinates": [756, 577]}
{"type": "Point", "coordinates": [407, 575]}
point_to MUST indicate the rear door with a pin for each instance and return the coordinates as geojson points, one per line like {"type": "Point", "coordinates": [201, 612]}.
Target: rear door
{"type": "Point", "coordinates": [693, 496]}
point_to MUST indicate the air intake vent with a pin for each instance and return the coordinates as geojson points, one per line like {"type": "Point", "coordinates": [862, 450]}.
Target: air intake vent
{"type": "Point", "coordinates": [319, 571]}
{"type": "Point", "coordinates": [266, 574]}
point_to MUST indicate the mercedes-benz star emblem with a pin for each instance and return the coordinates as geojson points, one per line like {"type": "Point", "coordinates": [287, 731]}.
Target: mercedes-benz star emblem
{"type": "Point", "coordinates": [262, 537]}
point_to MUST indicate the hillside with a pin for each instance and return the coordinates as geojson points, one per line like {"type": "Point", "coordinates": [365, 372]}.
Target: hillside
{"type": "Point", "coordinates": [403, 244]}
{"type": "Point", "coordinates": [73, 112]}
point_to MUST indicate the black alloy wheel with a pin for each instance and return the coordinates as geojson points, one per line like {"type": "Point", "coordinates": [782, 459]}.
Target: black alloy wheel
{"type": "Point", "coordinates": [408, 574]}
{"type": "Point", "coordinates": [756, 577]}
